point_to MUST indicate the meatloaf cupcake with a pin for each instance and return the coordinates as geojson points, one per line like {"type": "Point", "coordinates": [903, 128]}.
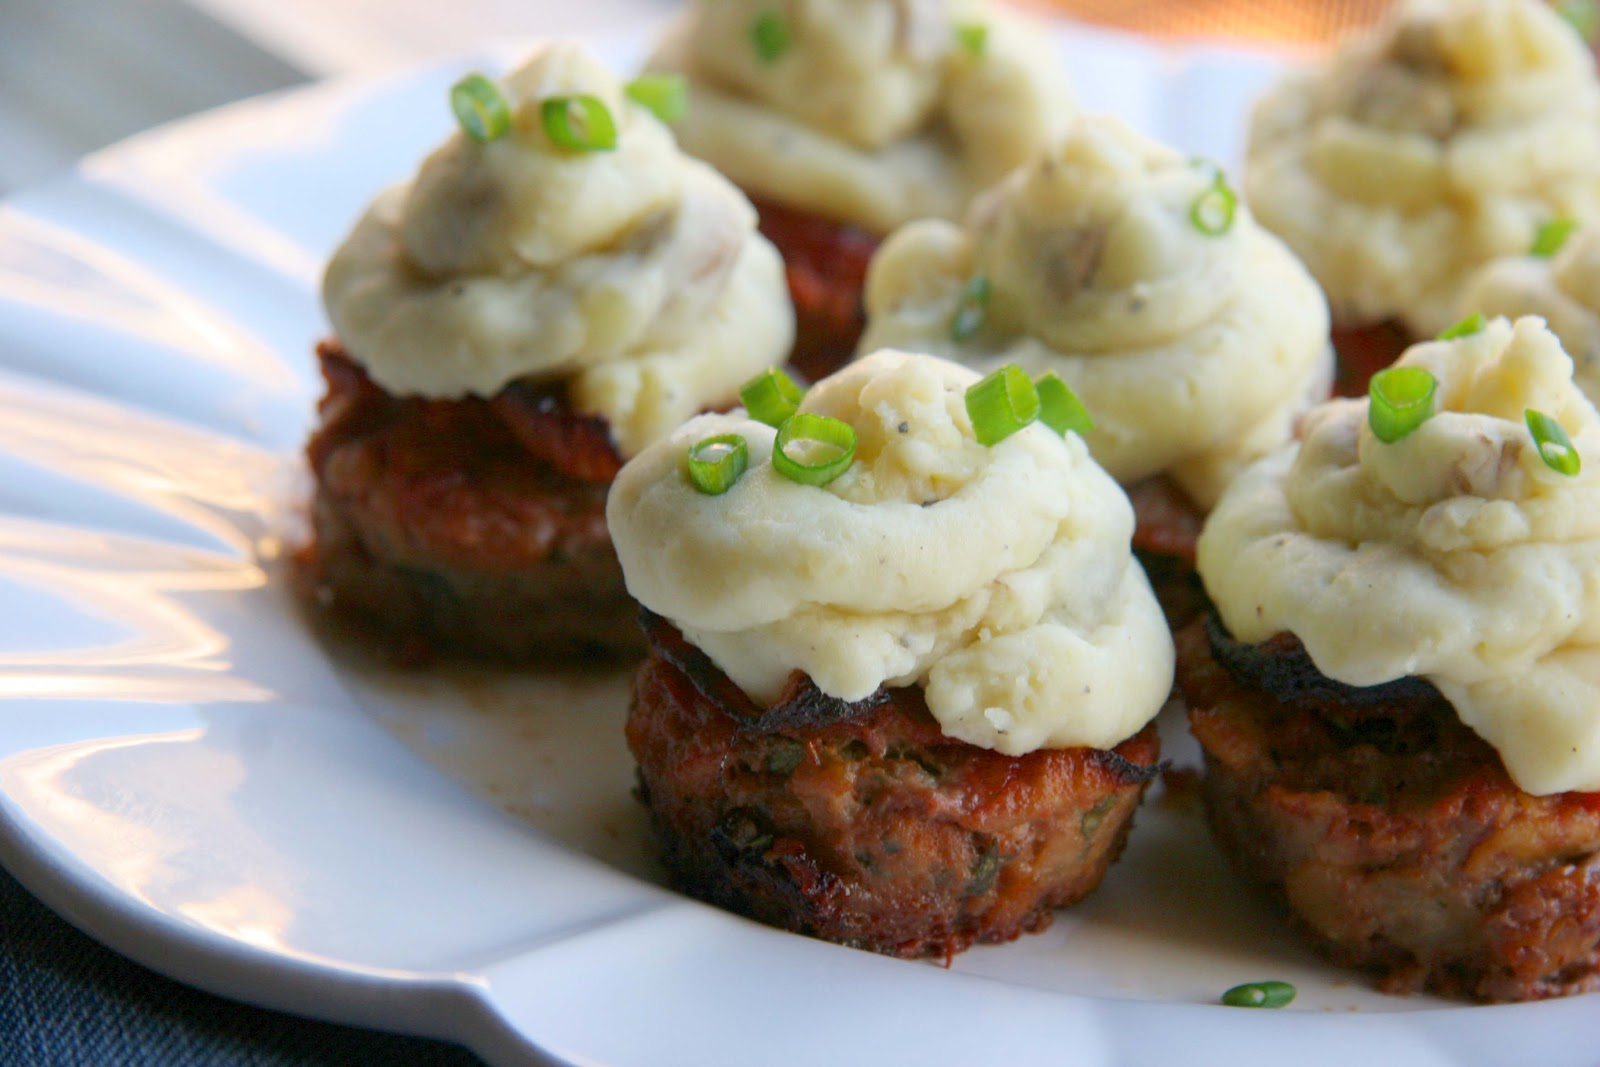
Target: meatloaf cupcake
{"type": "Point", "coordinates": [842, 123]}
{"type": "Point", "coordinates": [907, 708]}
{"type": "Point", "coordinates": [558, 287]}
{"type": "Point", "coordinates": [1420, 150]}
{"type": "Point", "coordinates": [1193, 336]}
{"type": "Point", "coordinates": [1399, 697]}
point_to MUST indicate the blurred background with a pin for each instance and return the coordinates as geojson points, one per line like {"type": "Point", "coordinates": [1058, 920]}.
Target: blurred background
{"type": "Point", "coordinates": [76, 75]}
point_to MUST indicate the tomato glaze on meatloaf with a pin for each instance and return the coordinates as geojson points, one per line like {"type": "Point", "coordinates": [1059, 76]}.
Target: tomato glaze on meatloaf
{"type": "Point", "coordinates": [825, 263]}
{"type": "Point", "coordinates": [476, 526]}
{"type": "Point", "coordinates": [1363, 351]}
{"type": "Point", "coordinates": [861, 822]}
{"type": "Point", "coordinates": [1391, 831]}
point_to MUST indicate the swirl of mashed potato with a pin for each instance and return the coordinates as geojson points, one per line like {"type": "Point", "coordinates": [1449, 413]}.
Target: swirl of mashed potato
{"type": "Point", "coordinates": [1193, 351]}
{"type": "Point", "coordinates": [873, 112]}
{"type": "Point", "coordinates": [998, 579]}
{"type": "Point", "coordinates": [1563, 289]}
{"type": "Point", "coordinates": [1425, 148]}
{"type": "Point", "coordinates": [1454, 553]}
{"type": "Point", "coordinates": [634, 273]}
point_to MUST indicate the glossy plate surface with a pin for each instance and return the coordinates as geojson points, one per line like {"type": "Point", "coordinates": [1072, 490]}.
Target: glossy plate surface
{"type": "Point", "coordinates": [197, 779]}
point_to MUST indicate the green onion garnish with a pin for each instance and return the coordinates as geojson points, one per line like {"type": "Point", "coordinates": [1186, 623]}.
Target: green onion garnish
{"type": "Point", "coordinates": [771, 396]}
{"type": "Point", "coordinates": [972, 308]}
{"type": "Point", "coordinates": [1549, 238]}
{"type": "Point", "coordinates": [973, 37]}
{"type": "Point", "coordinates": [1259, 995]}
{"type": "Point", "coordinates": [1213, 210]}
{"type": "Point", "coordinates": [1468, 326]}
{"type": "Point", "coordinates": [480, 107]}
{"type": "Point", "coordinates": [664, 93]}
{"type": "Point", "coordinates": [1582, 15]}
{"type": "Point", "coordinates": [771, 36]}
{"type": "Point", "coordinates": [1399, 400]}
{"type": "Point", "coordinates": [715, 463]}
{"type": "Point", "coordinates": [1555, 447]}
{"type": "Point", "coordinates": [1001, 404]}
{"type": "Point", "coordinates": [823, 448]}
{"type": "Point", "coordinates": [1059, 407]}
{"type": "Point", "coordinates": [581, 123]}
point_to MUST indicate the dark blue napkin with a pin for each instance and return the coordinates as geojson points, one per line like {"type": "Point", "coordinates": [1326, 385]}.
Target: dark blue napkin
{"type": "Point", "coordinates": [67, 1002]}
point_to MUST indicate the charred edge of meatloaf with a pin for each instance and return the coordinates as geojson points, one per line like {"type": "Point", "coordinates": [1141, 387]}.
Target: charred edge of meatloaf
{"type": "Point", "coordinates": [802, 705]}
{"type": "Point", "coordinates": [825, 263]}
{"type": "Point", "coordinates": [1391, 831]}
{"type": "Point", "coordinates": [1166, 528]}
{"type": "Point", "coordinates": [436, 527]}
{"type": "Point", "coordinates": [874, 830]}
{"type": "Point", "coordinates": [1281, 668]}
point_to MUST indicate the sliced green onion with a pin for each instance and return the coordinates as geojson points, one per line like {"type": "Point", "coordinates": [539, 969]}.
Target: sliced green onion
{"type": "Point", "coordinates": [1468, 326]}
{"type": "Point", "coordinates": [480, 107]}
{"type": "Point", "coordinates": [715, 463]}
{"type": "Point", "coordinates": [664, 93]}
{"type": "Point", "coordinates": [1399, 400]}
{"type": "Point", "coordinates": [1582, 15]}
{"type": "Point", "coordinates": [823, 448]}
{"type": "Point", "coordinates": [1259, 995]}
{"type": "Point", "coordinates": [1001, 404]}
{"type": "Point", "coordinates": [1213, 210]}
{"type": "Point", "coordinates": [1549, 238]}
{"type": "Point", "coordinates": [973, 37]}
{"type": "Point", "coordinates": [1059, 407]}
{"type": "Point", "coordinates": [972, 308]}
{"type": "Point", "coordinates": [581, 123]}
{"type": "Point", "coordinates": [771, 36]}
{"type": "Point", "coordinates": [1555, 447]}
{"type": "Point", "coordinates": [771, 396]}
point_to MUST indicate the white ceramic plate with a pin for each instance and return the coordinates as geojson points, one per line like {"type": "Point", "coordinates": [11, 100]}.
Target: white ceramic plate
{"type": "Point", "coordinates": [197, 780]}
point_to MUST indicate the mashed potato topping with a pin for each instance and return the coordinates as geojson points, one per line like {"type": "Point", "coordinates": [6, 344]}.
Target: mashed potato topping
{"type": "Point", "coordinates": [1454, 553]}
{"type": "Point", "coordinates": [635, 272]}
{"type": "Point", "coordinates": [873, 112]}
{"type": "Point", "coordinates": [998, 579]}
{"type": "Point", "coordinates": [1193, 351]}
{"type": "Point", "coordinates": [1421, 150]}
{"type": "Point", "coordinates": [1564, 290]}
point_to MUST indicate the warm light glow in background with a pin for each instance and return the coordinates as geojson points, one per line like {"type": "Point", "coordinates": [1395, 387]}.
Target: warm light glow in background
{"type": "Point", "coordinates": [1259, 20]}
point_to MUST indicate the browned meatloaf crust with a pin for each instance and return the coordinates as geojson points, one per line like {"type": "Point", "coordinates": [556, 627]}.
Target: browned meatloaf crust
{"type": "Point", "coordinates": [476, 526]}
{"type": "Point", "coordinates": [1391, 831]}
{"type": "Point", "coordinates": [863, 824]}
{"type": "Point", "coordinates": [826, 266]}
{"type": "Point", "coordinates": [1166, 527]}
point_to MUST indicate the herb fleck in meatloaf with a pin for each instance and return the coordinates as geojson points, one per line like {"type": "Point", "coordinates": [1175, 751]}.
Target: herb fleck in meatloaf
{"type": "Point", "coordinates": [862, 823]}
{"type": "Point", "coordinates": [1390, 830]}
